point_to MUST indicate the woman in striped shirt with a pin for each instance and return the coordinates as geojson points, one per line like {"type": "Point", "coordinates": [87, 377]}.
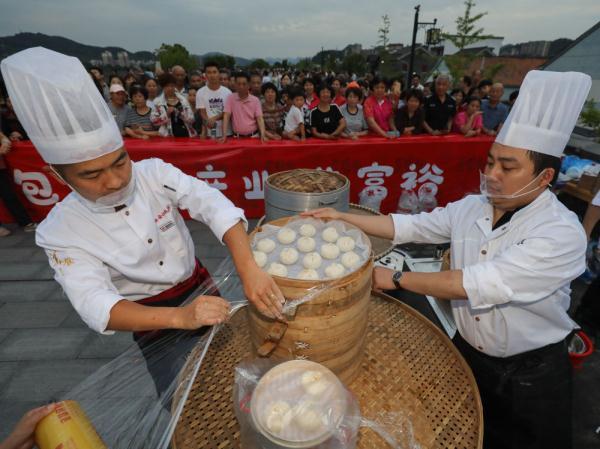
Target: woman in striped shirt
{"type": "Point", "coordinates": [137, 123]}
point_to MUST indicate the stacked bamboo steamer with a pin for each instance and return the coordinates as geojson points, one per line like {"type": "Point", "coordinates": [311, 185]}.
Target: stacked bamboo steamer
{"type": "Point", "coordinates": [329, 329]}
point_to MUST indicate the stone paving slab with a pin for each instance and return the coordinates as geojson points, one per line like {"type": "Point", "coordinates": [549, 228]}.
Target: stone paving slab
{"type": "Point", "coordinates": [30, 315]}
{"type": "Point", "coordinates": [11, 412]}
{"type": "Point", "coordinates": [25, 291]}
{"type": "Point", "coordinates": [43, 344]}
{"type": "Point", "coordinates": [4, 333]}
{"type": "Point", "coordinates": [21, 271]}
{"type": "Point", "coordinates": [7, 371]}
{"type": "Point", "coordinates": [106, 346]}
{"type": "Point", "coordinates": [73, 320]}
{"type": "Point", "coordinates": [47, 380]}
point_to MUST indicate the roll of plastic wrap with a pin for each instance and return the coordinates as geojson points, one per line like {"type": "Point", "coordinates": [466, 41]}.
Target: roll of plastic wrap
{"type": "Point", "coordinates": [67, 427]}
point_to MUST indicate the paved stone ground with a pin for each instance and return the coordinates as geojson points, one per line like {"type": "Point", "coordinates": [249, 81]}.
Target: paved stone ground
{"type": "Point", "coordinates": [46, 350]}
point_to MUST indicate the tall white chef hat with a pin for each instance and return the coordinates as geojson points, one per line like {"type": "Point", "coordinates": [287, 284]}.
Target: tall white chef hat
{"type": "Point", "coordinates": [546, 111]}
{"type": "Point", "coordinates": [59, 106]}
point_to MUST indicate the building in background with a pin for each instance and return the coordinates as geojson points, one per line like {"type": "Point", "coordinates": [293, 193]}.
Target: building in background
{"type": "Point", "coordinates": [494, 44]}
{"type": "Point", "coordinates": [583, 55]}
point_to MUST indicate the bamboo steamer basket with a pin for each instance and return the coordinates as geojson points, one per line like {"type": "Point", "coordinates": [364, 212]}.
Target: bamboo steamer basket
{"type": "Point", "coordinates": [329, 329]}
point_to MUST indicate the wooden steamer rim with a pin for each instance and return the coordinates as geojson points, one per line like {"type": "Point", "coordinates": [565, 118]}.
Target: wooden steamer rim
{"type": "Point", "coordinates": [296, 180]}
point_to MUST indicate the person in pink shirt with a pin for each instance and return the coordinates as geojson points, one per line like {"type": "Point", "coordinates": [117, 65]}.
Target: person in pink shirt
{"type": "Point", "coordinates": [469, 122]}
{"type": "Point", "coordinates": [244, 111]}
{"type": "Point", "coordinates": [379, 111]}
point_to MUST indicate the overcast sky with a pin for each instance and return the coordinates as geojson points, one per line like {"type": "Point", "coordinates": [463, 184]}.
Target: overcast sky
{"type": "Point", "coordinates": [267, 28]}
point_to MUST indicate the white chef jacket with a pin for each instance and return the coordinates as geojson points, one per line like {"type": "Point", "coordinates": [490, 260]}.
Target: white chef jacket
{"type": "Point", "coordinates": [516, 277]}
{"type": "Point", "coordinates": [138, 252]}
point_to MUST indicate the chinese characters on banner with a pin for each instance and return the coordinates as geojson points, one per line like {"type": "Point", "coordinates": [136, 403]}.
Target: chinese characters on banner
{"type": "Point", "coordinates": [408, 175]}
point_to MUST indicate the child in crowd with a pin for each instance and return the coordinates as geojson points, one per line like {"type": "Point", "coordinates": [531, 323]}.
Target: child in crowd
{"type": "Point", "coordinates": [294, 120]}
{"type": "Point", "coordinates": [469, 122]}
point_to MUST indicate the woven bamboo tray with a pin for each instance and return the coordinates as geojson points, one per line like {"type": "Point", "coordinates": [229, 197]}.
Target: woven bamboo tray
{"type": "Point", "coordinates": [380, 246]}
{"type": "Point", "coordinates": [409, 365]}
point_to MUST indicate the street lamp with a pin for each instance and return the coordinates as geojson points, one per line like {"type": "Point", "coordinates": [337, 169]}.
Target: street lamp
{"type": "Point", "coordinates": [416, 26]}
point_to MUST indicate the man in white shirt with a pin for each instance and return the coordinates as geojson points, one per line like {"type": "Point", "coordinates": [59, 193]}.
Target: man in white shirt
{"type": "Point", "coordinates": [514, 251]}
{"type": "Point", "coordinates": [117, 243]}
{"type": "Point", "coordinates": [210, 101]}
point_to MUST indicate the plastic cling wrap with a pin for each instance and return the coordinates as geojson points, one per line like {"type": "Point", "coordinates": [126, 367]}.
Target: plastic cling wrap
{"type": "Point", "coordinates": [121, 398]}
{"type": "Point", "coordinates": [298, 404]}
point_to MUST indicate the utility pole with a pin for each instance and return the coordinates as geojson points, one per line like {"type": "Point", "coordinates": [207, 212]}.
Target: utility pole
{"type": "Point", "coordinates": [416, 26]}
{"type": "Point", "coordinates": [322, 59]}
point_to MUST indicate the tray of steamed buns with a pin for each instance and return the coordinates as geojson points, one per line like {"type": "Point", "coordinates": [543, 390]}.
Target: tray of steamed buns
{"type": "Point", "coordinates": [310, 249]}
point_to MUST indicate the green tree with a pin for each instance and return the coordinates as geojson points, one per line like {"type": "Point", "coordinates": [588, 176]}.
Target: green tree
{"type": "Point", "coordinates": [305, 64]}
{"type": "Point", "coordinates": [590, 116]}
{"type": "Point", "coordinates": [331, 63]}
{"type": "Point", "coordinates": [259, 63]}
{"type": "Point", "coordinates": [224, 61]}
{"type": "Point", "coordinates": [384, 32]}
{"type": "Point", "coordinates": [176, 54]}
{"type": "Point", "coordinates": [355, 63]}
{"type": "Point", "coordinates": [467, 33]}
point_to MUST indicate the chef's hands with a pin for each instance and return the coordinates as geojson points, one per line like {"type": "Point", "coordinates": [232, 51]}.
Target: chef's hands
{"type": "Point", "coordinates": [261, 290]}
{"type": "Point", "coordinates": [22, 436]}
{"type": "Point", "coordinates": [324, 213]}
{"type": "Point", "coordinates": [382, 279]}
{"type": "Point", "coordinates": [203, 311]}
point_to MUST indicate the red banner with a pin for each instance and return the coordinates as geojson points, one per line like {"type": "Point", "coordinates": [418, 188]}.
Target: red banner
{"type": "Point", "coordinates": [433, 170]}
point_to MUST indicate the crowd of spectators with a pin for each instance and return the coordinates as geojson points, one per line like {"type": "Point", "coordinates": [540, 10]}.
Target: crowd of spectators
{"type": "Point", "coordinates": [273, 105]}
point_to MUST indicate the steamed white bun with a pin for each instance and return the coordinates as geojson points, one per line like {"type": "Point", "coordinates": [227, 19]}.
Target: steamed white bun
{"type": "Point", "coordinates": [265, 245]}
{"type": "Point", "coordinates": [276, 269]}
{"type": "Point", "coordinates": [260, 258]}
{"type": "Point", "coordinates": [275, 414]}
{"type": "Point", "coordinates": [306, 244]}
{"type": "Point", "coordinates": [334, 270]}
{"type": "Point", "coordinates": [286, 236]}
{"type": "Point", "coordinates": [330, 234]}
{"type": "Point", "coordinates": [346, 244]}
{"type": "Point", "coordinates": [330, 251]}
{"type": "Point", "coordinates": [307, 419]}
{"type": "Point", "coordinates": [288, 256]}
{"type": "Point", "coordinates": [314, 383]}
{"type": "Point", "coordinates": [308, 275]}
{"type": "Point", "coordinates": [350, 259]}
{"type": "Point", "coordinates": [307, 230]}
{"type": "Point", "coordinates": [312, 261]}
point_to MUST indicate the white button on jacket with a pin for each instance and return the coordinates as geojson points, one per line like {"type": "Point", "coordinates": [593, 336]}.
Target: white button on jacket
{"type": "Point", "coordinates": [138, 252]}
{"type": "Point", "coordinates": [516, 277]}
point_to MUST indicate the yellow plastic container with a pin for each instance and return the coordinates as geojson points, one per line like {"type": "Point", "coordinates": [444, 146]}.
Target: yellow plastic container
{"type": "Point", "coordinates": [67, 427]}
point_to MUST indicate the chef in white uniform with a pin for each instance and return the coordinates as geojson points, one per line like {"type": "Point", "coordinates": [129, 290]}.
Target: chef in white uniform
{"type": "Point", "coordinates": [514, 251]}
{"type": "Point", "coordinates": [117, 243]}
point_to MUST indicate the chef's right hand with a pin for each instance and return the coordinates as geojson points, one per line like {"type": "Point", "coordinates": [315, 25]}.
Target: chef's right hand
{"type": "Point", "coordinates": [203, 311]}
{"type": "Point", "coordinates": [327, 213]}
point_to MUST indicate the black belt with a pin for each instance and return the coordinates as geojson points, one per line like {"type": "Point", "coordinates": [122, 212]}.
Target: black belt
{"type": "Point", "coordinates": [517, 358]}
{"type": "Point", "coordinates": [505, 367]}
{"type": "Point", "coordinates": [255, 133]}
